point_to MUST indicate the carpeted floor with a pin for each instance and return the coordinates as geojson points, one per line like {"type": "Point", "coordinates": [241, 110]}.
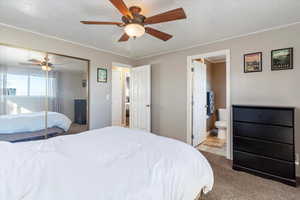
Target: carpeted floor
{"type": "Point", "coordinates": [234, 185]}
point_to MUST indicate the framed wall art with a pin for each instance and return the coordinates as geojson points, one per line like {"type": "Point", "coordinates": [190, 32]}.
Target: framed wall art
{"type": "Point", "coordinates": [102, 75]}
{"type": "Point", "coordinates": [253, 62]}
{"type": "Point", "coordinates": [282, 59]}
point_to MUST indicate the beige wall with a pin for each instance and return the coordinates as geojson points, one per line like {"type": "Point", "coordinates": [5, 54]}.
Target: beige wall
{"type": "Point", "coordinates": [216, 81]}
{"type": "Point", "coordinates": [169, 79]}
{"type": "Point", "coordinates": [219, 84]}
{"type": "Point", "coordinates": [100, 107]}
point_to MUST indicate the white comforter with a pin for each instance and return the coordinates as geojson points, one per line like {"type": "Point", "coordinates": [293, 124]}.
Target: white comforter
{"type": "Point", "coordinates": [32, 122]}
{"type": "Point", "coordinates": [106, 164]}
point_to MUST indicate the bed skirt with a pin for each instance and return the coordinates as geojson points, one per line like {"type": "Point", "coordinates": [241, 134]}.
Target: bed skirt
{"type": "Point", "coordinates": [30, 136]}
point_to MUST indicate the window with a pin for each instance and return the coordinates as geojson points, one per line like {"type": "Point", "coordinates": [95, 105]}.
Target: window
{"type": "Point", "coordinates": [28, 85]}
{"type": "Point", "coordinates": [37, 86]}
{"type": "Point", "coordinates": [17, 85]}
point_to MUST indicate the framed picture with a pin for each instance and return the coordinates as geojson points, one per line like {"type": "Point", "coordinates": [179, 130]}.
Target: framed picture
{"type": "Point", "coordinates": [102, 75]}
{"type": "Point", "coordinates": [253, 62]}
{"type": "Point", "coordinates": [282, 59]}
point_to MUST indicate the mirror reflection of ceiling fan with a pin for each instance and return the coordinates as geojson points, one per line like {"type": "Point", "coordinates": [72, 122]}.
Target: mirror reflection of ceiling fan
{"type": "Point", "coordinates": [134, 22]}
{"type": "Point", "coordinates": [45, 64]}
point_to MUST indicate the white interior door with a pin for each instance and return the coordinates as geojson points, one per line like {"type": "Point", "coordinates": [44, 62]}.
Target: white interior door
{"type": "Point", "coordinates": [117, 96]}
{"type": "Point", "coordinates": [199, 103]}
{"type": "Point", "coordinates": [140, 98]}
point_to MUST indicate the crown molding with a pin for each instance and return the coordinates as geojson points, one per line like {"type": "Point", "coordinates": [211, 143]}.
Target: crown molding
{"type": "Point", "coordinates": [64, 40]}
{"type": "Point", "coordinates": [217, 41]}
{"type": "Point", "coordinates": [154, 54]}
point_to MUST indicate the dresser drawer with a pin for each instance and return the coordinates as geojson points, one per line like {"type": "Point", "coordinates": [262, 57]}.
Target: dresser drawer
{"type": "Point", "coordinates": [264, 148]}
{"type": "Point", "coordinates": [267, 165]}
{"type": "Point", "coordinates": [265, 115]}
{"type": "Point", "coordinates": [265, 132]}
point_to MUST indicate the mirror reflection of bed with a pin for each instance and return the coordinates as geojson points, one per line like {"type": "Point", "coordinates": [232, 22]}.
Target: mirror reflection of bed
{"type": "Point", "coordinates": [41, 95]}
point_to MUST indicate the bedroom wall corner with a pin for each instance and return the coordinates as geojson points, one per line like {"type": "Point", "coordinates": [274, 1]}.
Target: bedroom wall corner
{"type": "Point", "coordinates": [100, 93]}
{"type": "Point", "coordinates": [274, 88]}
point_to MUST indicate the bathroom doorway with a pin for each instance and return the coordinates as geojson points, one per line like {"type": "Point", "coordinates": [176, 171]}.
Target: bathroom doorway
{"type": "Point", "coordinates": [209, 110]}
{"type": "Point", "coordinates": [121, 95]}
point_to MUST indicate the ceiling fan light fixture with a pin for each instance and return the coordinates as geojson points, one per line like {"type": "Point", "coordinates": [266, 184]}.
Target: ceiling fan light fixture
{"type": "Point", "coordinates": [46, 68]}
{"type": "Point", "coordinates": [133, 21]}
{"type": "Point", "coordinates": [134, 30]}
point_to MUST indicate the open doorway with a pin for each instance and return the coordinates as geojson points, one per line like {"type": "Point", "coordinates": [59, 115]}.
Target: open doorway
{"type": "Point", "coordinates": [121, 95]}
{"type": "Point", "coordinates": [209, 102]}
{"type": "Point", "coordinates": [131, 96]}
{"type": "Point", "coordinates": [216, 128]}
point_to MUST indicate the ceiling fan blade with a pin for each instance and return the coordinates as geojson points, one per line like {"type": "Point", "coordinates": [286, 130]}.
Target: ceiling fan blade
{"type": "Point", "coordinates": [167, 16]}
{"type": "Point", "coordinates": [34, 61]}
{"type": "Point", "coordinates": [158, 34]}
{"type": "Point", "coordinates": [31, 64]}
{"type": "Point", "coordinates": [121, 6]}
{"type": "Point", "coordinates": [101, 23]}
{"type": "Point", "coordinates": [124, 38]}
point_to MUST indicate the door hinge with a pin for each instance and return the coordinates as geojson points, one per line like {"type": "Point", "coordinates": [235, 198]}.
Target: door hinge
{"type": "Point", "coordinates": [192, 69]}
{"type": "Point", "coordinates": [193, 136]}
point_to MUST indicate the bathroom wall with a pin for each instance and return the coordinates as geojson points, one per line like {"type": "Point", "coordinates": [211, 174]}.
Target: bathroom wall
{"type": "Point", "coordinates": [219, 84]}
{"type": "Point", "coordinates": [216, 81]}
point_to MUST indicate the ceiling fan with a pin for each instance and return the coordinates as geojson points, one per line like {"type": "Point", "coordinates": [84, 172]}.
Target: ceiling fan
{"type": "Point", "coordinates": [134, 22]}
{"type": "Point", "coordinates": [44, 64]}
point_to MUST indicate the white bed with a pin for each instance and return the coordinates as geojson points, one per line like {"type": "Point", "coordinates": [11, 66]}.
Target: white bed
{"type": "Point", "coordinates": [106, 164]}
{"type": "Point", "coordinates": [30, 122]}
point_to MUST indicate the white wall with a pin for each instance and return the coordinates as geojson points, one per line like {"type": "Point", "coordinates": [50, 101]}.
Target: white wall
{"type": "Point", "coordinates": [100, 109]}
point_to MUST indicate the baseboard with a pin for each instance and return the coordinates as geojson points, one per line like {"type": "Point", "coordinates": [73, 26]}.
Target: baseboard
{"type": "Point", "coordinates": [290, 182]}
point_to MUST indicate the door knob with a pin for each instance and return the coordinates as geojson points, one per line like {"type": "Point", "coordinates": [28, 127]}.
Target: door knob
{"type": "Point", "coordinates": [148, 105]}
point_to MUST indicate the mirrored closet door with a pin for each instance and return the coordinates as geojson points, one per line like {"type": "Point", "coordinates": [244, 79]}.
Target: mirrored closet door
{"type": "Point", "coordinates": [68, 92]}
{"type": "Point", "coordinates": [42, 95]}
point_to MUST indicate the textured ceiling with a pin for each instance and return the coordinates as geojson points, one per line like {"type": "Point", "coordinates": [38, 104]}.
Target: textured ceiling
{"type": "Point", "coordinates": [208, 21]}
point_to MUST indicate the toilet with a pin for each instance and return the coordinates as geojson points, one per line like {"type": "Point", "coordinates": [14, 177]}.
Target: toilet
{"type": "Point", "coordinates": [221, 125]}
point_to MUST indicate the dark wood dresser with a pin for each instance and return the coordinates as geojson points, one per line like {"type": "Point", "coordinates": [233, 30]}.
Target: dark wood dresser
{"type": "Point", "coordinates": [263, 142]}
{"type": "Point", "coordinates": [80, 111]}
